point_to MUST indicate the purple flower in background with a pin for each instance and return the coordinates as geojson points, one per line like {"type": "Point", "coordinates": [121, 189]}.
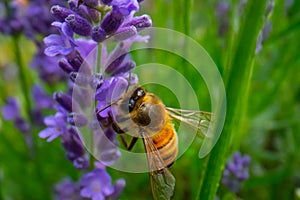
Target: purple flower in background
{"type": "Point", "coordinates": [11, 21]}
{"type": "Point", "coordinates": [236, 171]}
{"type": "Point", "coordinates": [47, 67]}
{"type": "Point", "coordinates": [66, 190]}
{"type": "Point", "coordinates": [263, 36]}
{"type": "Point", "coordinates": [38, 18]}
{"type": "Point", "coordinates": [31, 18]}
{"type": "Point", "coordinates": [97, 185]}
{"type": "Point", "coordinates": [41, 99]}
{"type": "Point", "coordinates": [11, 110]}
{"type": "Point", "coordinates": [222, 15]}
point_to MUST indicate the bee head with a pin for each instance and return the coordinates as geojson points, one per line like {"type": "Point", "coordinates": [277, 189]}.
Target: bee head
{"type": "Point", "coordinates": [138, 94]}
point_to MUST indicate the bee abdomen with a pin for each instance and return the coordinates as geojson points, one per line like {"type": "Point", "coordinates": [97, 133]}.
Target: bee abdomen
{"type": "Point", "coordinates": [166, 142]}
{"type": "Point", "coordinates": [169, 151]}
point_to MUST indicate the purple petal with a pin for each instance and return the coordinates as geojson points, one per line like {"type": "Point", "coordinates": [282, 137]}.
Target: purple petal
{"type": "Point", "coordinates": [101, 92]}
{"type": "Point", "coordinates": [108, 190]}
{"type": "Point", "coordinates": [118, 188]}
{"type": "Point", "coordinates": [117, 88]}
{"type": "Point", "coordinates": [50, 121]}
{"type": "Point", "coordinates": [52, 51]}
{"type": "Point", "coordinates": [53, 39]}
{"type": "Point", "coordinates": [50, 133]}
{"type": "Point", "coordinates": [85, 47]}
{"type": "Point", "coordinates": [98, 196]}
{"type": "Point", "coordinates": [86, 192]}
{"type": "Point", "coordinates": [67, 31]}
{"type": "Point", "coordinates": [125, 6]}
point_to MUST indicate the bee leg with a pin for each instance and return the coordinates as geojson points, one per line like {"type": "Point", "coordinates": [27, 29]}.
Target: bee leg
{"type": "Point", "coordinates": [132, 142]}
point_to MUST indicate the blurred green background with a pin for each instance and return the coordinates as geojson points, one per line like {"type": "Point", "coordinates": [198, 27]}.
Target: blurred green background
{"type": "Point", "coordinates": [269, 130]}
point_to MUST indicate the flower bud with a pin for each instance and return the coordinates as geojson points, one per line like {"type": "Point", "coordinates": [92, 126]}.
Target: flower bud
{"type": "Point", "coordinates": [140, 22]}
{"type": "Point", "coordinates": [123, 33]}
{"type": "Point", "coordinates": [60, 13]}
{"type": "Point", "coordinates": [79, 25]}
{"type": "Point", "coordinates": [63, 64]}
{"type": "Point", "coordinates": [75, 61]}
{"type": "Point", "coordinates": [112, 67]}
{"type": "Point", "coordinates": [126, 67]}
{"type": "Point", "coordinates": [98, 34]}
{"type": "Point", "coordinates": [111, 22]}
{"type": "Point", "coordinates": [65, 101]}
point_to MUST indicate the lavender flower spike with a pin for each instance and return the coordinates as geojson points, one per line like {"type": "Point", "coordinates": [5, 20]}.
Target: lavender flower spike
{"type": "Point", "coordinates": [236, 171]}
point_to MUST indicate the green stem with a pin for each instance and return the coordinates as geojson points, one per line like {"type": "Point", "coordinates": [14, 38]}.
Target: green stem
{"type": "Point", "coordinates": [1, 184]}
{"type": "Point", "coordinates": [239, 74]}
{"type": "Point", "coordinates": [187, 9]}
{"type": "Point", "coordinates": [25, 85]}
{"type": "Point", "coordinates": [22, 76]}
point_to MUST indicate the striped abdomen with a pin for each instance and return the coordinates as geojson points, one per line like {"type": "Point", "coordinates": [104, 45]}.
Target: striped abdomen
{"type": "Point", "coordinates": [166, 142]}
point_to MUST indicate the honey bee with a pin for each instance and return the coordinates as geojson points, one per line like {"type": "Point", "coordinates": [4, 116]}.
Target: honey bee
{"type": "Point", "coordinates": [144, 115]}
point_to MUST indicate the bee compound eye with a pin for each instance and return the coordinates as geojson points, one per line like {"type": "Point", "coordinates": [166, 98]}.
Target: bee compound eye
{"type": "Point", "coordinates": [140, 93]}
{"type": "Point", "coordinates": [131, 104]}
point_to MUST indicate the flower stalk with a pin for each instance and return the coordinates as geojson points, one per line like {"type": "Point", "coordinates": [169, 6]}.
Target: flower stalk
{"type": "Point", "coordinates": [22, 75]}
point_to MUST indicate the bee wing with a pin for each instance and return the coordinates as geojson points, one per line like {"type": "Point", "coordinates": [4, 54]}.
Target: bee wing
{"type": "Point", "coordinates": [161, 179]}
{"type": "Point", "coordinates": [198, 120]}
